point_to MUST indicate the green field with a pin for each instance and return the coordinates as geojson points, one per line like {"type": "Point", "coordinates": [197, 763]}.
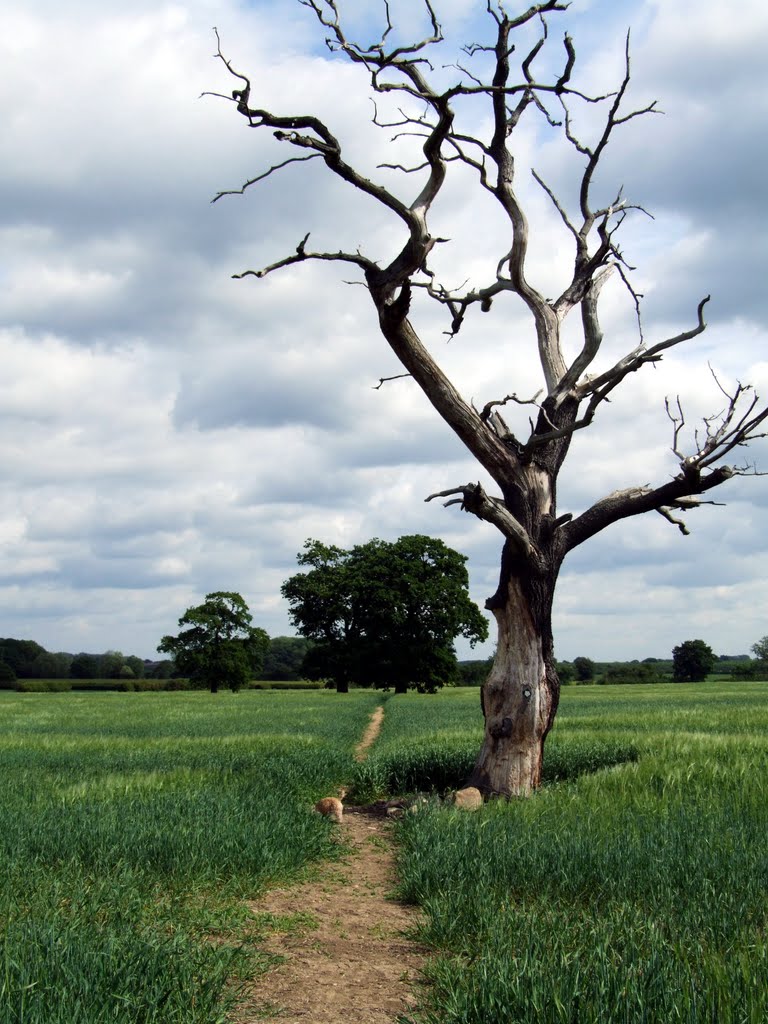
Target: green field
{"type": "Point", "coordinates": [131, 828]}
{"type": "Point", "coordinates": [632, 889]}
{"type": "Point", "coordinates": [634, 894]}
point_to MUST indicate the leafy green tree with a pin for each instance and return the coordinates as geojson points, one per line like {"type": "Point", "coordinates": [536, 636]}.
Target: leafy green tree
{"type": "Point", "coordinates": [52, 666]}
{"type": "Point", "coordinates": [750, 670]}
{"type": "Point", "coordinates": [384, 613]}
{"type": "Point", "coordinates": [474, 672]}
{"type": "Point", "coordinates": [566, 673]}
{"type": "Point", "coordinates": [584, 668]}
{"type": "Point", "coordinates": [85, 666]}
{"type": "Point", "coordinates": [760, 649]}
{"type": "Point", "coordinates": [111, 664]}
{"type": "Point", "coordinates": [692, 661]}
{"type": "Point", "coordinates": [136, 665]}
{"type": "Point", "coordinates": [632, 672]}
{"type": "Point", "coordinates": [285, 657]}
{"type": "Point", "coordinates": [219, 647]}
{"type": "Point", "coordinates": [7, 676]}
{"type": "Point", "coordinates": [165, 669]}
{"type": "Point", "coordinates": [20, 655]}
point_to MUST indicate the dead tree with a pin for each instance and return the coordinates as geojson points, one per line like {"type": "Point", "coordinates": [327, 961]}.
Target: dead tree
{"type": "Point", "coordinates": [521, 694]}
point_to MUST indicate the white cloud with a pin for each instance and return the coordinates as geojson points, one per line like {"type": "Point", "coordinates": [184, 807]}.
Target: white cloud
{"type": "Point", "coordinates": [167, 430]}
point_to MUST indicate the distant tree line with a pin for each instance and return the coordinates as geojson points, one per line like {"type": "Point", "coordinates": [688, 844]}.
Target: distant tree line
{"type": "Point", "coordinates": [382, 614]}
{"type": "Point", "coordinates": [27, 659]}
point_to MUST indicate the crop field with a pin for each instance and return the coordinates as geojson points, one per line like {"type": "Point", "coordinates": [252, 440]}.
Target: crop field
{"type": "Point", "coordinates": [131, 827]}
{"type": "Point", "coordinates": [633, 894]}
{"type": "Point", "coordinates": [631, 889]}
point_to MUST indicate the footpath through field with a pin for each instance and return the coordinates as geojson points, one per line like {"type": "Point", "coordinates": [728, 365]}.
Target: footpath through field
{"type": "Point", "coordinates": [346, 960]}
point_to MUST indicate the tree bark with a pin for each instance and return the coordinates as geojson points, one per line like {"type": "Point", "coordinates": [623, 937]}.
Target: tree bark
{"type": "Point", "coordinates": [521, 694]}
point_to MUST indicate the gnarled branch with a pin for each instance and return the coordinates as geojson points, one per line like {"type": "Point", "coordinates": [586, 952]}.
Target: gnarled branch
{"type": "Point", "coordinates": [733, 427]}
{"type": "Point", "coordinates": [685, 504]}
{"type": "Point", "coordinates": [493, 510]}
{"type": "Point", "coordinates": [638, 357]}
{"type": "Point", "coordinates": [301, 255]}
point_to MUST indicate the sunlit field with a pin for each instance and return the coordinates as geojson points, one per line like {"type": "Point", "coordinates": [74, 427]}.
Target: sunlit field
{"type": "Point", "coordinates": [631, 889]}
{"type": "Point", "coordinates": [131, 827]}
{"type": "Point", "coordinates": [633, 894]}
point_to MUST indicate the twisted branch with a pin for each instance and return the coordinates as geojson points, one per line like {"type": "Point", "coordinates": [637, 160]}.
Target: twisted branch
{"type": "Point", "coordinates": [493, 510]}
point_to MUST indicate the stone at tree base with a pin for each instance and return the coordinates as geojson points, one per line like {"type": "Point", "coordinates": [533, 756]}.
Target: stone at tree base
{"type": "Point", "coordinates": [468, 799]}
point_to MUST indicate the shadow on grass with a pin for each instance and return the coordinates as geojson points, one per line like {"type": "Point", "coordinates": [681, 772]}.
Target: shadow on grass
{"type": "Point", "coordinates": [425, 768]}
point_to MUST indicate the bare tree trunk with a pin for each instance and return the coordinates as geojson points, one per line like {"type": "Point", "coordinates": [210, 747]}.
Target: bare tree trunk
{"type": "Point", "coordinates": [521, 693]}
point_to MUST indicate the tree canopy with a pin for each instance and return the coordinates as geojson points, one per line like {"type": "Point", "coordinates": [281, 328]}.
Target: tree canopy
{"type": "Point", "coordinates": [284, 659]}
{"type": "Point", "coordinates": [692, 661]}
{"type": "Point", "coordinates": [20, 656]}
{"type": "Point", "coordinates": [760, 649]}
{"type": "Point", "coordinates": [219, 647]}
{"type": "Point", "coordinates": [584, 668]}
{"type": "Point", "coordinates": [384, 613]}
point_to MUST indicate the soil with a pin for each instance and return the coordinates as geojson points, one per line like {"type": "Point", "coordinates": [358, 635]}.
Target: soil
{"type": "Point", "coordinates": [340, 940]}
{"type": "Point", "coordinates": [370, 735]}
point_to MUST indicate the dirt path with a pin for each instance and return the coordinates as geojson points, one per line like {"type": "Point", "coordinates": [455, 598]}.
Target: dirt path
{"type": "Point", "coordinates": [346, 960]}
{"type": "Point", "coordinates": [371, 734]}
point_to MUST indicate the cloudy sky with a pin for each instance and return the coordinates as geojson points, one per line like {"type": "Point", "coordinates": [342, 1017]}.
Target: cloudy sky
{"type": "Point", "coordinates": [168, 431]}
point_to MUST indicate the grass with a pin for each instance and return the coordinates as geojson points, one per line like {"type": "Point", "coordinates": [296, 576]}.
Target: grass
{"type": "Point", "coordinates": [630, 890]}
{"type": "Point", "coordinates": [430, 745]}
{"type": "Point", "coordinates": [631, 895]}
{"type": "Point", "coordinates": [131, 828]}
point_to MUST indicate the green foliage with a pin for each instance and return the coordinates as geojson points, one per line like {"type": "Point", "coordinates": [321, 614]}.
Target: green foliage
{"type": "Point", "coordinates": [749, 670]}
{"type": "Point", "coordinates": [92, 685]}
{"type": "Point", "coordinates": [760, 649]}
{"type": "Point", "coordinates": [43, 685]}
{"type": "Point", "coordinates": [285, 657]}
{"type": "Point", "coordinates": [692, 661]}
{"type": "Point", "coordinates": [220, 647]}
{"type": "Point", "coordinates": [7, 676]}
{"type": "Point", "coordinates": [111, 664]}
{"type": "Point", "coordinates": [85, 666]}
{"type": "Point", "coordinates": [584, 669]}
{"type": "Point", "coordinates": [566, 673]}
{"type": "Point", "coordinates": [383, 614]}
{"type": "Point", "coordinates": [52, 666]}
{"type": "Point", "coordinates": [124, 685]}
{"type": "Point", "coordinates": [136, 665]}
{"type": "Point", "coordinates": [165, 669]}
{"type": "Point", "coordinates": [287, 684]}
{"type": "Point", "coordinates": [632, 672]}
{"type": "Point", "coordinates": [20, 656]}
{"type": "Point", "coordinates": [474, 673]}
{"type": "Point", "coordinates": [28, 660]}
